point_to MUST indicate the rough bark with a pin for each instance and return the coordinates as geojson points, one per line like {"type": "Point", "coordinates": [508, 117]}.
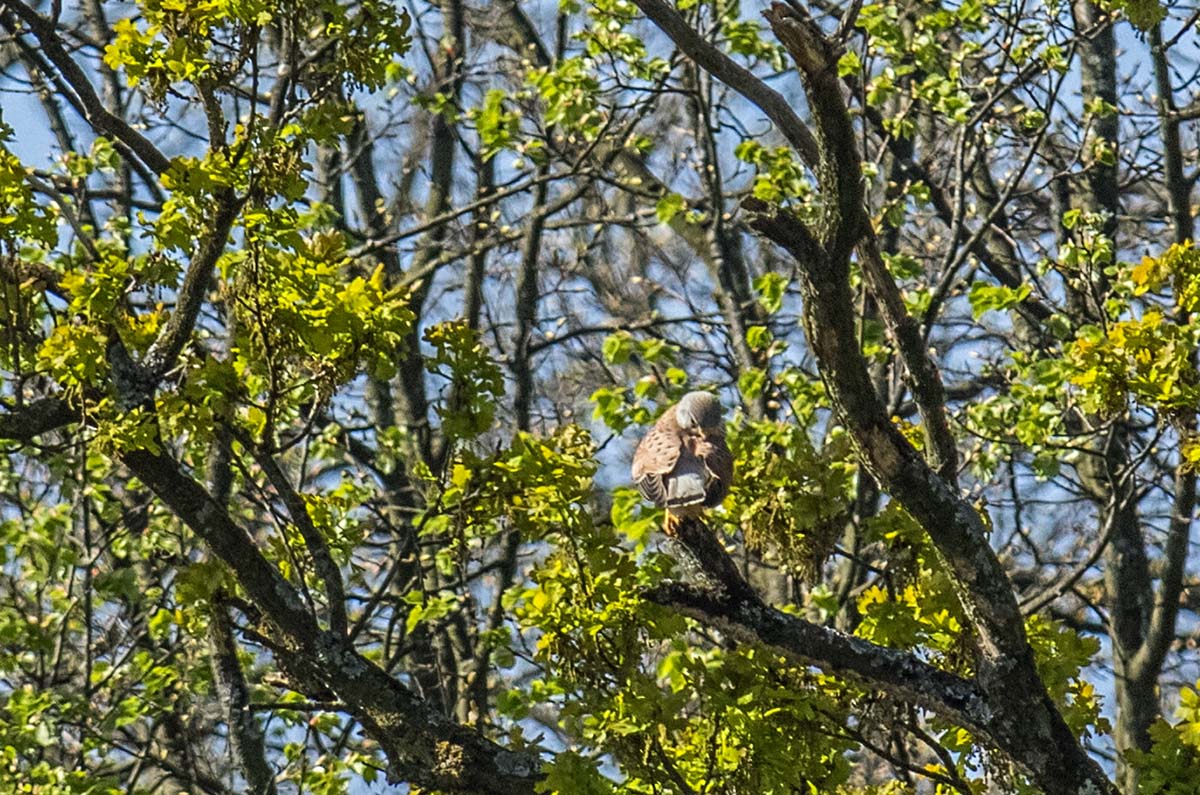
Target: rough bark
{"type": "Point", "coordinates": [732, 607]}
{"type": "Point", "coordinates": [1142, 618]}
{"type": "Point", "coordinates": [422, 746]}
{"type": "Point", "coordinates": [93, 109]}
{"type": "Point", "coordinates": [1024, 722]}
{"type": "Point", "coordinates": [245, 735]}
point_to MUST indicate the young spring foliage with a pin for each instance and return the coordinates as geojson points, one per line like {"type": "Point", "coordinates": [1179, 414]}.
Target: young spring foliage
{"type": "Point", "coordinates": [302, 266]}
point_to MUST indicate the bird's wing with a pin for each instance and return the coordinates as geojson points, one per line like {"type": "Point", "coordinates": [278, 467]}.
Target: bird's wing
{"type": "Point", "coordinates": [718, 465]}
{"type": "Point", "coordinates": [655, 458]}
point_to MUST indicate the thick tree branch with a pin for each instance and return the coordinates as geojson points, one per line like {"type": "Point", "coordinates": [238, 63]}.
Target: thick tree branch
{"type": "Point", "coordinates": [422, 746]}
{"type": "Point", "coordinates": [1160, 633]}
{"type": "Point", "coordinates": [32, 275]}
{"type": "Point", "coordinates": [23, 422]}
{"type": "Point", "coordinates": [844, 218]}
{"type": "Point", "coordinates": [1108, 472]}
{"type": "Point", "coordinates": [898, 673]}
{"type": "Point", "coordinates": [96, 114]}
{"type": "Point", "coordinates": [737, 77]}
{"type": "Point", "coordinates": [836, 163]}
{"type": "Point", "coordinates": [738, 612]}
{"type": "Point", "coordinates": [824, 255]}
{"type": "Point", "coordinates": [845, 223]}
{"type": "Point", "coordinates": [166, 349]}
{"type": "Point", "coordinates": [245, 735]}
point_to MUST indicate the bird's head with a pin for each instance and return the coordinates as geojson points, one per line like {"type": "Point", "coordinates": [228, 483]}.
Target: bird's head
{"type": "Point", "coordinates": [700, 411]}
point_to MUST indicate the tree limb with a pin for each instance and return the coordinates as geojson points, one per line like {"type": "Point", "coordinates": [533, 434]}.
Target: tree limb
{"type": "Point", "coordinates": [23, 422]}
{"type": "Point", "coordinates": [323, 562]}
{"type": "Point", "coordinates": [738, 612]}
{"type": "Point", "coordinates": [423, 746]}
{"type": "Point", "coordinates": [162, 354]}
{"type": "Point", "coordinates": [245, 735]}
{"type": "Point", "coordinates": [737, 77]}
{"type": "Point", "coordinates": [899, 673]}
{"type": "Point", "coordinates": [94, 111]}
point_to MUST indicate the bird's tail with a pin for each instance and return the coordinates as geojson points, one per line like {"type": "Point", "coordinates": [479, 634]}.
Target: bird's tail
{"type": "Point", "coordinates": [686, 486]}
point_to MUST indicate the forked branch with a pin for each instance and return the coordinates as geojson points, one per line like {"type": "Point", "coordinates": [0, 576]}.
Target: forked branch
{"type": "Point", "coordinates": [1023, 721]}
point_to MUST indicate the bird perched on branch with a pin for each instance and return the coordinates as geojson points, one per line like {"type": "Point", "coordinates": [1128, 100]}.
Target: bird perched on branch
{"type": "Point", "coordinates": [683, 464]}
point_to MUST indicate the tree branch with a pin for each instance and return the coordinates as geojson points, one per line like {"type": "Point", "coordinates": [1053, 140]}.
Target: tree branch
{"type": "Point", "coordinates": [899, 673]}
{"type": "Point", "coordinates": [326, 568]}
{"type": "Point", "coordinates": [38, 275]}
{"type": "Point", "coordinates": [23, 422]}
{"type": "Point", "coordinates": [737, 77]}
{"type": "Point", "coordinates": [846, 223]}
{"type": "Point", "coordinates": [166, 349]}
{"type": "Point", "coordinates": [737, 611]}
{"type": "Point", "coordinates": [95, 113]}
{"type": "Point", "coordinates": [921, 374]}
{"type": "Point", "coordinates": [422, 746]}
{"type": "Point", "coordinates": [245, 735]}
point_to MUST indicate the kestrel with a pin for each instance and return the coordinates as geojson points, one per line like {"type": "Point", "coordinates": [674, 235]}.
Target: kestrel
{"type": "Point", "coordinates": [683, 463]}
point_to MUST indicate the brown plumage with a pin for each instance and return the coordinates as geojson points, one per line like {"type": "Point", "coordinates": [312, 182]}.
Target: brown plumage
{"type": "Point", "coordinates": [683, 464]}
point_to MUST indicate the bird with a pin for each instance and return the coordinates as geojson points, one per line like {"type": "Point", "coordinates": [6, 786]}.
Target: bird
{"type": "Point", "coordinates": [682, 463]}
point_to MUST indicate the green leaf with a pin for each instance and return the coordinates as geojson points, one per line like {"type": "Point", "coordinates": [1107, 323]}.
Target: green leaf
{"type": "Point", "coordinates": [618, 347]}
{"type": "Point", "coordinates": [849, 64]}
{"type": "Point", "coordinates": [758, 337]}
{"type": "Point", "coordinates": [988, 297]}
{"type": "Point", "coordinates": [770, 288]}
{"type": "Point", "coordinates": [669, 206]}
{"type": "Point", "coordinates": [1144, 14]}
